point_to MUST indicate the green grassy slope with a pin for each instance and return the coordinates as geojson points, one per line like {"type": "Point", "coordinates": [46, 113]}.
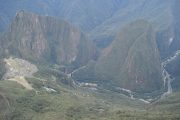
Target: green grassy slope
{"type": "Point", "coordinates": [170, 104]}
{"type": "Point", "coordinates": [19, 104]}
{"type": "Point", "coordinates": [69, 102]}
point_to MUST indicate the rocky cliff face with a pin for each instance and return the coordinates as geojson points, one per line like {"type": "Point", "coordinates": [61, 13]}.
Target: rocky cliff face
{"type": "Point", "coordinates": [40, 38]}
{"type": "Point", "coordinates": [132, 61]}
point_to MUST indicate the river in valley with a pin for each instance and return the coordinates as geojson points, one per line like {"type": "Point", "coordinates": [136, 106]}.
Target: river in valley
{"type": "Point", "coordinates": [166, 76]}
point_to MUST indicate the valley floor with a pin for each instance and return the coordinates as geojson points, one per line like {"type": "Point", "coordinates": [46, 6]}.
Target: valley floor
{"type": "Point", "coordinates": [53, 96]}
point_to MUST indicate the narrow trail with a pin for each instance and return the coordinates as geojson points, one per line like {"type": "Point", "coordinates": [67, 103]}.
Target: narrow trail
{"type": "Point", "coordinates": [76, 83]}
{"type": "Point", "coordinates": [70, 74]}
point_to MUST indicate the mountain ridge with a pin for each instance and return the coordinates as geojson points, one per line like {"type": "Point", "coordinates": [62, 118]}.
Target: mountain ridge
{"type": "Point", "coordinates": [44, 38]}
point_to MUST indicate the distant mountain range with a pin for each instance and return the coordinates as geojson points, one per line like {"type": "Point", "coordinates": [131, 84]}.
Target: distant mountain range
{"type": "Point", "coordinates": [86, 14]}
{"type": "Point", "coordinates": [102, 19]}
{"type": "Point", "coordinates": [128, 55]}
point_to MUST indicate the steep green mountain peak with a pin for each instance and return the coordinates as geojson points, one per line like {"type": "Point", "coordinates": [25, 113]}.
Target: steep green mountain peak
{"type": "Point", "coordinates": [132, 61]}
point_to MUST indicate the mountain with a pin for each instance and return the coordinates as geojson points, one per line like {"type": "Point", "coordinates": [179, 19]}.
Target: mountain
{"type": "Point", "coordinates": [85, 14]}
{"type": "Point", "coordinates": [158, 12]}
{"type": "Point", "coordinates": [162, 14]}
{"type": "Point", "coordinates": [46, 39]}
{"type": "Point", "coordinates": [132, 61]}
{"type": "Point", "coordinates": [102, 19]}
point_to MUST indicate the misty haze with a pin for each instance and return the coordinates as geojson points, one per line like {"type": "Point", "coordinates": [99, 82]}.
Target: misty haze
{"type": "Point", "coordinates": [89, 59]}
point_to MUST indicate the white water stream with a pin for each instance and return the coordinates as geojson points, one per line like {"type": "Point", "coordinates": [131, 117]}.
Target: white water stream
{"type": "Point", "coordinates": [166, 76]}
{"type": "Point", "coordinates": [131, 95]}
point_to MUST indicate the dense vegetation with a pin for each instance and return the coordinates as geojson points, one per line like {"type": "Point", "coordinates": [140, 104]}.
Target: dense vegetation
{"type": "Point", "coordinates": [65, 104]}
